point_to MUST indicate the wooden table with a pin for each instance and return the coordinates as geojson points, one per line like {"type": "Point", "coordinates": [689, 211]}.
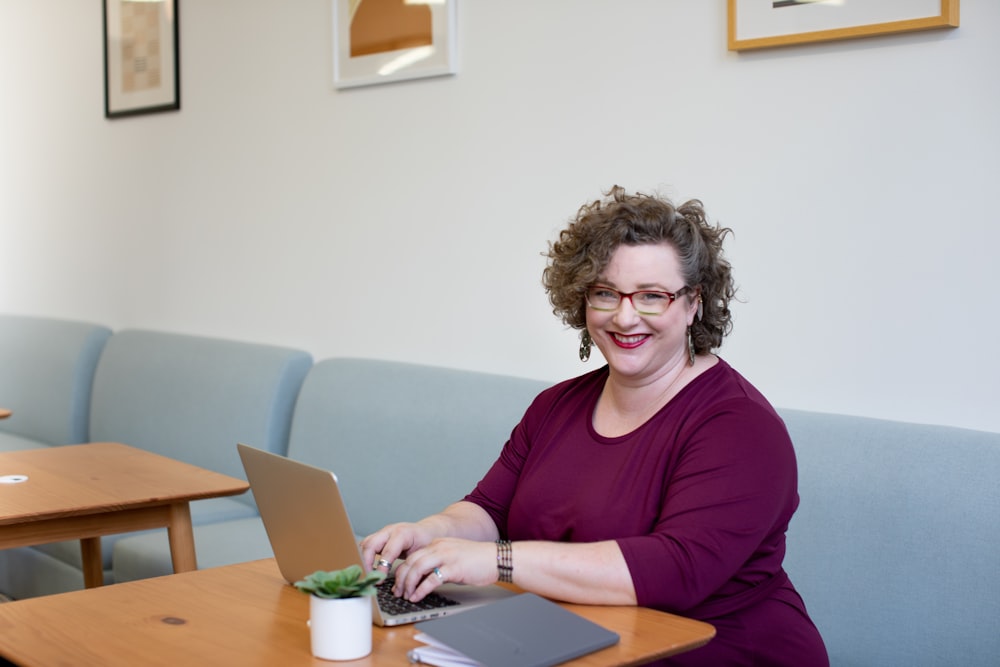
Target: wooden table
{"type": "Point", "coordinates": [4, 413]}
{"type": "Point", "coordinates": [86, 491]}
{"type": "Point", "coordinates": [248, 615]}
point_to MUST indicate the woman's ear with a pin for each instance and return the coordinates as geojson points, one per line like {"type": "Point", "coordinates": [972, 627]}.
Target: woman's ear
{"type": "Point", "coordinates": [700, 310]}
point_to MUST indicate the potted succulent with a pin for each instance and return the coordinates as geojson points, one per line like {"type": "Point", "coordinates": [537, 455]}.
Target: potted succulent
{"type": "Point", "coordinates": [340, 612]}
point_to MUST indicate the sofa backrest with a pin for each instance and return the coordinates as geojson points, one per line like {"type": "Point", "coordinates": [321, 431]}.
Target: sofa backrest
{"type": "Point", "coordinates": [46, 372]}
{"type": "Point", "coordinates": [193, 398]}
{"type": "Point", "coordinates": [895, 547]}
{"type": "Point", "coordinates": [405, 440]}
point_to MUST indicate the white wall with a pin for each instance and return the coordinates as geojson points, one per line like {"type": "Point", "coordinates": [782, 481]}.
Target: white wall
{"type": "Point", "coordinates": [859, 178]}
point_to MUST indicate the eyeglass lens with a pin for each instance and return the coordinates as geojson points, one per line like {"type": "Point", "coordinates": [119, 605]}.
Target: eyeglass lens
{"type": "Point", "coordinates": [645, 302]}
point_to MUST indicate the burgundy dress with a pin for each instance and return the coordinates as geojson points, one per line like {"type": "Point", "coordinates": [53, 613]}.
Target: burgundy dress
{"type": "Point", "coordinates": [698, 498]}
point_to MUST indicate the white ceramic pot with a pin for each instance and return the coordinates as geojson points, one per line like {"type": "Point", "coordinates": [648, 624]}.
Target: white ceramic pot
{"type": "Point", "coordinates": [340, 628]}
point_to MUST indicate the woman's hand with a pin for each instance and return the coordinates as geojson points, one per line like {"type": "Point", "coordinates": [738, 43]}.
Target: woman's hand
{"type": "Point", "coordinates": [402, 540]}
{"type": "Point", "coordinates": [584, 573]}
{"type": "Point", "coordinates": [445, 560]}
{"type": "Point", "coordinates": [380, 549]}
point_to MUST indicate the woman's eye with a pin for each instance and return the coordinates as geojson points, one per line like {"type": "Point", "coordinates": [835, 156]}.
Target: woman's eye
{"type": "Point", "coordinates": [651, 298]}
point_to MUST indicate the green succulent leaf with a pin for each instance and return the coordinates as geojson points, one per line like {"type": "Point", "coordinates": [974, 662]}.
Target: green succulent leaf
{"type": "Point", "coordinates": [351, 582]}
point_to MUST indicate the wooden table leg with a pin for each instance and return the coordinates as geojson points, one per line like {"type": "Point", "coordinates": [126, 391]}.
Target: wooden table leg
{"type": "Point", "coordinates": [181, 536]}
{"type": "Point", "coordinates": [93, 565]}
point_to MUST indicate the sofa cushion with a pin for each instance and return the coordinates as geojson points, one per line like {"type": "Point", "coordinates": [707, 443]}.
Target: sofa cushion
{"type": "Point", "coordinates": [895, 547]}
{"type": "Point", "coordinates": [46, 379]}
{"type": "Point", "coordinates": [10, 442]}
{"type": "Point", "coordinates": [405, 440]}
{"type": "Point", "coordinates": [28, 572]}
{"type": "Point", "coordinates": [148, 554]}
{"type": "Point", "coordinates": [208, 511]}
{"type": "Point", "coordinates": [193, 398]}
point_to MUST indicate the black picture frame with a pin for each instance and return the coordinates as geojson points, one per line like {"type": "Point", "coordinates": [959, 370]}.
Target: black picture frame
{"type": "Point", "coordinates": [142, 71]}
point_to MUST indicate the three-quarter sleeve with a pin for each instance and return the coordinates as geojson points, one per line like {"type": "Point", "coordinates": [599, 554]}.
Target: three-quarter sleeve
{"type": "Point", "coordinates": [731, 494]}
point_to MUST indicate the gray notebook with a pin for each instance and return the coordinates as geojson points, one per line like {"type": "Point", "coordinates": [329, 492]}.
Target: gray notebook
{"type": "Point", "coordinates": [521, 631]}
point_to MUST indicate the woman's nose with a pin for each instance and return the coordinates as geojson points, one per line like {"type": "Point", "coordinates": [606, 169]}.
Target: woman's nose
{"type": "Point", "coordinates": [626, 313]}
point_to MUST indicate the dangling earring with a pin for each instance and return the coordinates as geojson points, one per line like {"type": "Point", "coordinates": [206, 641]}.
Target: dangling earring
{"type": "Point", "coordinates": [701, 309]}
{"type": "Point", "coordinates": [585, 343]}
{"type": "Point", "coordinates": [690, 348]}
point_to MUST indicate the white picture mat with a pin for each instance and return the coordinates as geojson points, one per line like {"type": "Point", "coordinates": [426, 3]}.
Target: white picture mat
{"type": "Point", "coordinates": [164, 95]}
{"type": "Point", "coordinates": [759, 18]}
{"type": "Point", "coordinates": [365, 70]}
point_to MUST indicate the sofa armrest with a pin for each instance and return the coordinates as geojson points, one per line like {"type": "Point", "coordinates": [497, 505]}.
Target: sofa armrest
{"type": "Point", "coordinates": [48, 372]}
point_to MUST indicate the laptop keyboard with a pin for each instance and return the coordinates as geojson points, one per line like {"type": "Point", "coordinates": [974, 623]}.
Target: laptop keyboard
{"type": "Point", "coordinates": [391, 604]}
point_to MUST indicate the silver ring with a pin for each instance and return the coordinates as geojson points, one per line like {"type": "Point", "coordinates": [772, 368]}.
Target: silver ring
{"type": "Point", "coordinates": [383, 563]}
{"type": "Point", "coordinates": [437, 573]}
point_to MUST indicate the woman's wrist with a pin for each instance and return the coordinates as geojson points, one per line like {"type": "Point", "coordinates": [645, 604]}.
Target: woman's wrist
{"type": "Point", "coordinates": [505, 561]}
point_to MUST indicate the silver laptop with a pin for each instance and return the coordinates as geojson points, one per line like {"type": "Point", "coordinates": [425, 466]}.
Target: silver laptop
{"type": "Point", "coordinates": [309, 530]}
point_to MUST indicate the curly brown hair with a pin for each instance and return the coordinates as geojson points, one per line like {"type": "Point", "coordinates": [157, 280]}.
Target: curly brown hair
{"type": "Point", "coordinates": [583, 250]}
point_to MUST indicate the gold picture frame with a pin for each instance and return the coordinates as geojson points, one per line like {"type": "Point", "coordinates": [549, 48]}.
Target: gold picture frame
{"type": "Point", "coordinates": [141, 57]}
{"type": "Point", "coordinates": [761, 24]}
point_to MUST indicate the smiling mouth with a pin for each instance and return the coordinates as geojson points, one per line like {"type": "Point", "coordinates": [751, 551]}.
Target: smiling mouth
{"type": "Point", "coordinates": [629, 342]}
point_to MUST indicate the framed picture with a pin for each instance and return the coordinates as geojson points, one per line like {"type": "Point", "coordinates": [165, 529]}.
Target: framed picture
{"type": "Point", "coordinates": [141, 57]}
{"type": "Point", "coordinates": [758, 24]}
{"type": "Point", "coordinates": [380, 41]}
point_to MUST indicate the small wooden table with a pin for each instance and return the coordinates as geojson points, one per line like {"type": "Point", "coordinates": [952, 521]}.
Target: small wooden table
{"type": "Point", "coordinates": [248, 615]}
{"type": "Point", "coordinates": [82, 492]}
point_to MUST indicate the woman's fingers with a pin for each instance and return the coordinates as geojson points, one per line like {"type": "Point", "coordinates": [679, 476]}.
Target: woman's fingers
{"type": "Point", "coordinates": [443, 561]}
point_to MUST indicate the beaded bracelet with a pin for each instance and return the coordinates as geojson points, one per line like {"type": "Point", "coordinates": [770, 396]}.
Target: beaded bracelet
{"type": "Point", "coordinates": [505, 561]}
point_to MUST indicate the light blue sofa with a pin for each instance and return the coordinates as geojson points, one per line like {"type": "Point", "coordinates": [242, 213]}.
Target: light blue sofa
{"type": "Point", "coordinates": [186, 397]}
{"type": "Point", "coordinates": [896, 544]}
{"type": "Point", "coordinates": [405, 441]}
{"type": "Point", "coordinates": [895, 547]}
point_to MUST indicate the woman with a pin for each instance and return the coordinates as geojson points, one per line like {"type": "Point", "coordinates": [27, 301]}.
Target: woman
{"type": "Point", "coordinates": [663, 479]}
